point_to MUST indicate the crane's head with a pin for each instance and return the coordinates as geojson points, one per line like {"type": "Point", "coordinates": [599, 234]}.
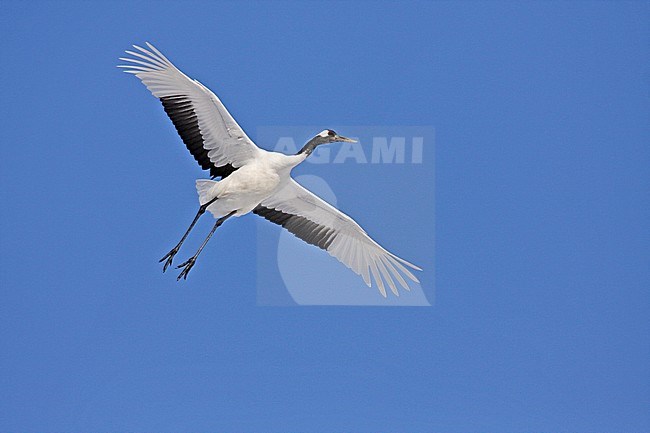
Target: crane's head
{"type": "Point", "coordinates": [329, 136]}
{"type": "Point", "coordinates": [324, 137]}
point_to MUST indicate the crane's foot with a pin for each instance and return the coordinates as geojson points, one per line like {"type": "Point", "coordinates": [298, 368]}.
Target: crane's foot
{"type": "Point", "coordinates": [186, 268]}
{"type": "Point", "coordinates": [169, 257]}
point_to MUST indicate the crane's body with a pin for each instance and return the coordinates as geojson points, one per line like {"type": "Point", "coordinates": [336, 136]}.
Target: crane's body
{"type": "Point", "coordinates": [256, 180]}
{"type": "Point", "coordinates": [248, 186]}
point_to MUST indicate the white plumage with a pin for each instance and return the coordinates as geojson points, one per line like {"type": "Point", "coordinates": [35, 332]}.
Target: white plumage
{"type": "Point", "coordinates": [256, 180]}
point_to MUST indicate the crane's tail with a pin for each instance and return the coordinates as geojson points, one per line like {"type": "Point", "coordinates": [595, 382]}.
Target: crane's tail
{"type": "Point", "coordinates": [204, 188]}
{"type": "Point", "coordinates": [206, 191]}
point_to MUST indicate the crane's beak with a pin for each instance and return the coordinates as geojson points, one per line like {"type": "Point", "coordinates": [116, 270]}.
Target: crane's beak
{"type": "Point", "coordinates": [346, 139]}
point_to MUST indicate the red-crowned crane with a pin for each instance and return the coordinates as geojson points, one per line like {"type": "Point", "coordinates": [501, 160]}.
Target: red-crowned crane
{"type": "Point", "coordinates": [255, 180]}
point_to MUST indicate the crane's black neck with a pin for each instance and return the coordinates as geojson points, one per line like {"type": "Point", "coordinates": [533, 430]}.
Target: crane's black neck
{"type": "Point", "coordinates": [311, 145]}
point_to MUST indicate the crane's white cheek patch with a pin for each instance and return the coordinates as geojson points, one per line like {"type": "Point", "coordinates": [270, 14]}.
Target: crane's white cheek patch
{"type": "Point", "coordinates": [324, 133]}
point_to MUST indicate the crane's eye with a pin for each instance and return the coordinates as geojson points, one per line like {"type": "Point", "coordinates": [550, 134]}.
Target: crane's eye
{"type": "Point", "coordinates": [331, 133]}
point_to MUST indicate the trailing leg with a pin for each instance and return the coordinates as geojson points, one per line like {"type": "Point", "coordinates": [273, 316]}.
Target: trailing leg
{"type": "Point", "coordinates": [187, 265]}
{"type": "Point", "coordinates": [170, 255]}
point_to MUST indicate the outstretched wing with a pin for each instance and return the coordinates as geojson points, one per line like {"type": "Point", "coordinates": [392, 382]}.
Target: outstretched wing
{"type": "Point", "coordinates": [316, 222]}
{"type": "Point", "coordinates": [210, 133]}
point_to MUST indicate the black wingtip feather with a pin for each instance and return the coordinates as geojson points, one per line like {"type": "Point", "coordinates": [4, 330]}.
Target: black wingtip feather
{"type": "Point", "coordinates": [181, 112]}
{"type": "Point", "coordinates": [303, 228]}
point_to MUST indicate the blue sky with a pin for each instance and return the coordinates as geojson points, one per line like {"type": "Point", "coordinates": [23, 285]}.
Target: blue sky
{"type": "Point", "coordinates": [538, 259]}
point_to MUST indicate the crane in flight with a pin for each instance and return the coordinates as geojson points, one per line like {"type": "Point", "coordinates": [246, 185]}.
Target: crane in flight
{"type": "Point", "coordinates": [255, 180]}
